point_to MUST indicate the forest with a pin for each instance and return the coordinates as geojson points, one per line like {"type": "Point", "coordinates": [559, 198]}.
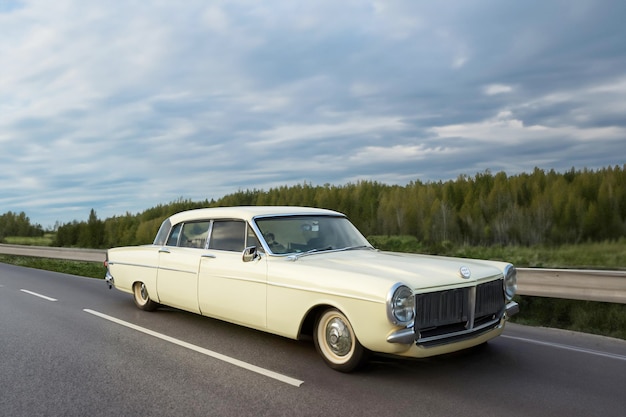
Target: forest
{"type": "Point", "coordinates": [538, 208]}
{"type": "Point", "coordinates": [18, 224]}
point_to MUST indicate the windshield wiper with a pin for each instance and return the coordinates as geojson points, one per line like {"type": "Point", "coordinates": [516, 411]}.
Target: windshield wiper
{"type": "Point", "coordinates": [358, 247]}
{"type": "Point", "coordinates": [297, 256]}
{"type": "Point", "coordinates": [317, 250]}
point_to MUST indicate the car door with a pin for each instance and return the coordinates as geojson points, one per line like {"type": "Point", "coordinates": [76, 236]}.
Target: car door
{"type": "Point", "coordinates": [228, 287]}
{"type": "Point", "coordinates": [179, 259]}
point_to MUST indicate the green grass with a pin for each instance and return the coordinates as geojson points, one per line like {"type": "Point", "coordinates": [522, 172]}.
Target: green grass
{"type": "Point", "coordinates": [84, 269]}
{"type": "Point", "coordinates": [606, 319]}
{"type": "Point", "coordinates": [594, 255]}
{"type": "Point", "coordinates": [604, 255]}
{"type": "Point", "coordinates": [45, 240]}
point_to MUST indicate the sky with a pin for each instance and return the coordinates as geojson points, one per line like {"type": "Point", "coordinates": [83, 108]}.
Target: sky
{"type": "Point", "coordinates": [119, 106]}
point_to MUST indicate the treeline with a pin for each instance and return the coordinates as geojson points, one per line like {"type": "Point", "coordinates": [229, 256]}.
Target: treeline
{"type": "Point", "coordinates": [14, 224]}
{"type": "Point", "coordinates": [538, 208]}
{"type": "Point", "coordinates": [129, 229]}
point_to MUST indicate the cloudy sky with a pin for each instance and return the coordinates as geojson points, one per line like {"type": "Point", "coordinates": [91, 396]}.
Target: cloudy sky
{"type": "Point", "coordinates": [122, 105]}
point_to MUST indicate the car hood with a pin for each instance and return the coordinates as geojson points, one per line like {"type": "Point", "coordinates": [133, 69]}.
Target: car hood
{"type": "Point", "coordinates": [421, 272]}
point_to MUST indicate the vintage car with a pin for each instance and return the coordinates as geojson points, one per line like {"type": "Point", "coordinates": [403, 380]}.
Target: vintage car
{"type": "Point", "coordinates": [298, 271]}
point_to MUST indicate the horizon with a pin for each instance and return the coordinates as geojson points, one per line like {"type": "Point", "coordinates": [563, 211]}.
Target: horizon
{"type": "Point", "coordinates": [182, 198]}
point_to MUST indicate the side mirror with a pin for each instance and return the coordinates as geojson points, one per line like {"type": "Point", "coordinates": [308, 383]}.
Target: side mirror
{"type": "Point", "coordinates": [250, 254]}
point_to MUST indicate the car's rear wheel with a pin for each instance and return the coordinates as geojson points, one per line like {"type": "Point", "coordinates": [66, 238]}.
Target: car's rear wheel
{"type": "Point", "coordinates": [336, 342]}
{"type": "Point", "coordinates": [142, 298]}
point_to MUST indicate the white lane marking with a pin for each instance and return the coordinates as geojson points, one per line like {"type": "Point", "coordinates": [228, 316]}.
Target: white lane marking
{"type": "Point", "coordinates": [39, 295]}
{"type": "Point", "coordinates": [224, 358]}
{"type": "Point", "coordinates": [572, 348]}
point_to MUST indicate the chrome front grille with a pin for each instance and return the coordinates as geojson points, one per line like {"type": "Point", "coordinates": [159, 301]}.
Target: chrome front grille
{"type": "Point", "coordinates": [442, 308]}
{"type": "Point", "coordinates": [489, 299]}
{"type": "Point", "coordinates": [450, 314]}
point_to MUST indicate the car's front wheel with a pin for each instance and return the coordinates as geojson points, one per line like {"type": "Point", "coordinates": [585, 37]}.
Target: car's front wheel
{"type": "Point", "coordinates": [142, 298]}
{"type": "Point", "coordinates": [336, 342]}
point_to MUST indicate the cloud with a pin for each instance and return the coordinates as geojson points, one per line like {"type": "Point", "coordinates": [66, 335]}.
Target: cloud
{"type": "Point", "coordinates": [120, 106]}
{"type": "Point", "coordinates": [309, 133]}
{"type": "Point", "coordinates": [493, 89]}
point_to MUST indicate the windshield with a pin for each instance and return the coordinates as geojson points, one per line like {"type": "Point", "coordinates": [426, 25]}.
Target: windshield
{"type": "Point", "coordinates": [297, 234]}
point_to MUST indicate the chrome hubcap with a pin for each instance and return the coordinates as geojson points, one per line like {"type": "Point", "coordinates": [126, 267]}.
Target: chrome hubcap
{"type": "Point", "coordinates": [144, 293]}
{"type": "Point", "coordinates": [338, 337]}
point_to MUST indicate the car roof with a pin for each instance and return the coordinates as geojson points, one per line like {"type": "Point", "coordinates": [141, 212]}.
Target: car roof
{"type": "Point", "coordinates": [248, 212]}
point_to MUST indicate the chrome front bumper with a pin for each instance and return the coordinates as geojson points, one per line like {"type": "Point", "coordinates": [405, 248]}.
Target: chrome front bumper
{"type": "Point", "coordinates": [407, 336]}
{"type": "Point", "coordinates": [512, 308]}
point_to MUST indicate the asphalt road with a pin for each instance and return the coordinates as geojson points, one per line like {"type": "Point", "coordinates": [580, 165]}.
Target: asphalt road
{"type": "Point", "coordinates": [71, 347]}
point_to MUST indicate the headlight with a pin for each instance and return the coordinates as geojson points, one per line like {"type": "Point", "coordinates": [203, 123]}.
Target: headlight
{"type": "Point", "coordinates": [401, 305]}
{"type": "Point", "coordinates": [510, 281]}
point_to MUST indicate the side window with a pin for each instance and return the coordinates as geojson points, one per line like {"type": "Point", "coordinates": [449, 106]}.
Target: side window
{"type": "Point", "coordinates": [161, 236]}
{"type": "Point", "coordinates": [173, 239]}
{"type": "Point", "coordinates": [252, 240]}
{"type": "Point", "coordinates": [228, 235]}
{"type": "Point", "coordinates": [194, 234]}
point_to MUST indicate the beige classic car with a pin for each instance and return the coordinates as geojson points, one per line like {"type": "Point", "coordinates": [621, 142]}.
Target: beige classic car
{"type": "Point", "coordinates": [298, 271]}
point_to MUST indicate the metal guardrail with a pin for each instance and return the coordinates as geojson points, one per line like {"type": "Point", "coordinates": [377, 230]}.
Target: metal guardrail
{"type": "Point", "coordinates": [575, 284]}
{"type": "Point", "coordinates": [72, 254]}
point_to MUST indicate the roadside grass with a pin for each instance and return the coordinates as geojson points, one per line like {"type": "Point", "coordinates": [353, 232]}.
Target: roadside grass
{"type": "Point", "coordinates": [590, 255]}
{"type": "Point", "coordinates": [80, 268]}
{"type": "Point", "coordinates": [601, 255]}
{"type": "Point", "coordinates": [45, 240]}
{"type": "Point", "coordinates": [605, 319]}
